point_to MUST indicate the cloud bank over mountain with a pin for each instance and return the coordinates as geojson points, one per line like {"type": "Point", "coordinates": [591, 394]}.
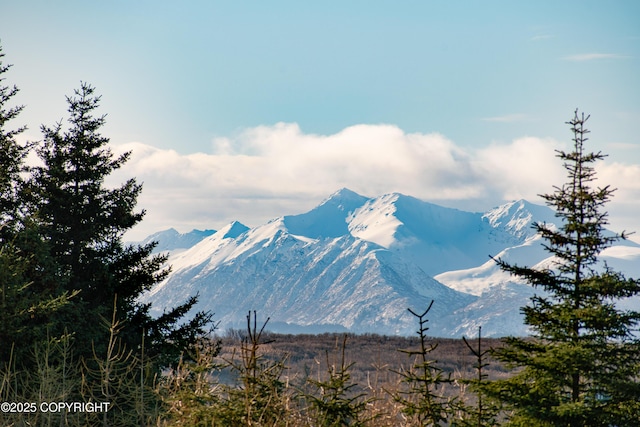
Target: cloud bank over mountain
{"type": "Point", "coordinates": [266, 170]}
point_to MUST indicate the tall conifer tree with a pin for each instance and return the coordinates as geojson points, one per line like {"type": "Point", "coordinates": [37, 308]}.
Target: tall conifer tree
{"type": "Point", "coordinates": [27, 304]}
{"type": "Point", "coordinates": [83, 221]}
{"type": "Point", "coordinates": [581, 367]}
{"type": "Point", "coordinates": [12, 155]}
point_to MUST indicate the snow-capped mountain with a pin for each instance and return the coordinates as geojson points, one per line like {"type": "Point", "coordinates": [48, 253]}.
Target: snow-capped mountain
{"type": "Point", "coordinates": [356, 263]}
{"type": "Point", "coordinates": [436, 238]}
{"type": "Point", "coordinates": [173, 241]}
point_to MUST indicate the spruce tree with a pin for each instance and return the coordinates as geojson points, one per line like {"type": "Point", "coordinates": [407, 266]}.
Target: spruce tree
{"type": "Point", "coordinates": [27, 302]}
{"type": "Point", "coordinates": [421, 395]}
{"type": "Point", "coordinates": [581, 365]}
{"type": "Point", "coordinates": [12, 156]}
{"type": "Point", "coordinates": [83, 223]}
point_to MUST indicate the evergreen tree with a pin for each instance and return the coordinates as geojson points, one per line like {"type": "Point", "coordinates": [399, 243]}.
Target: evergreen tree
{"type": "Point", "coordinates": [26, 300]}
{"type": "Point", "coordinates": [581, 367]}
{"type": "Point", "coordinates": [336, 401]}
{"type": "Point", "coordinates": [83, 223]}
{"type": "Point", "coordinates": [259, 398]}
{"type": "Point", "coordinates": [422, 396]}
{"type": "Point", "coordinates": [484, 411]}
{"type": "Point", "coordinates": [12, 156]}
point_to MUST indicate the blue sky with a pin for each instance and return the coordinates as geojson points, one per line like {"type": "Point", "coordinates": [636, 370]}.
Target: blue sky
{"type": "Point", "coordinates": [214, 96]}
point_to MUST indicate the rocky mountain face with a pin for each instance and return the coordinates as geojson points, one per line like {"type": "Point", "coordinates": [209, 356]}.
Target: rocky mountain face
{"type": "Point", "coordinates": [356, 263]}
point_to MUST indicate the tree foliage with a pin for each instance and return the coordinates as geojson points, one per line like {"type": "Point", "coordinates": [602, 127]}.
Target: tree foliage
{"type": "Point", "coordinates": [12, 155]}
{"type": "Point", "coordinates": [28, 300]}
{"type": "Point", "coordinates": [485, 411]}
{"type": "Point", "coordinates": [581, 367]}
{"type": "Point", "coordinates": [259, 398]}
{"type": "Point", "coordinates": [83, 223]}
{"type": "Point", "coordinates": [336, 400]}
{"type": "Point", "coordinates": [64, 261]}
{"type": "Point", "coordinates": [421, 399]}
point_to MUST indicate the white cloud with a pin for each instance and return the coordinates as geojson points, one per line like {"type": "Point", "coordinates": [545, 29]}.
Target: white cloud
{"type": "Point", "coordinates": [522, 169]}
{"type": "Point", "coordinates": [541, 37]}
{"type": "Point", "coordinates": [623, 146]}
{"type": "Point", "coordinates": [269, 171]}
{"type": "Point", "coordinates": [625, 201]}
{"type": "Point", "coordinates": [593, 56]}
{"type": "Point", "coordinates": [507, 118]}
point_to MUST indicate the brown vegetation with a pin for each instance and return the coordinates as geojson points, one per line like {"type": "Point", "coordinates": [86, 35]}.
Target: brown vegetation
{"type": "Point", "coordinates": [373, 355]}
{"type": "Point", "coordinates": [373, 362]}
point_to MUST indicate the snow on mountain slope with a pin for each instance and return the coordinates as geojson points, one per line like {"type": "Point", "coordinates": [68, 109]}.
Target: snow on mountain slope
{"type": "Point", "coordinates": [477, 280]}
{"type": "Point", "coordinates": [217, 247]}
{"type": "Point", "coordinates": [500, 296]}
{"type": "Point", "coordinates": [172, 240]}
{"type": "Point", "coordinates": [436, 238]}
{"type": "Point", "coordinates": [358, 263]}
{"type": "Point", "coordinates": [329, 281]}
{"type": "Point", "coordinates": [624, 257]}
{"type": "Point", "coordinates": [497, 310]}
{"type": "Point", "coordinates": [328, 219]}
{"type": "Point", "coordinates": [517, 218]}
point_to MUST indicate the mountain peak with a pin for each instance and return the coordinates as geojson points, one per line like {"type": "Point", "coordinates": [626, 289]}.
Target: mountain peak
{"type": "Point", "coordinates": [357, 263]}
{"type": "Point", "coordinates": [172, 240]}
{"type": "Point", "coordinates": [329, 218]}
{"type": "Point", "coordinates": [517, 217]}
{"type": "Point", "coordinates": [233, 230]}
{"type": "Point", "coordinates": [344, 195]}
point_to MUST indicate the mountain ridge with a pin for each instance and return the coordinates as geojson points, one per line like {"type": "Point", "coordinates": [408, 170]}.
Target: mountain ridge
{"type": "Point", "coordinates": [357, 263]}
